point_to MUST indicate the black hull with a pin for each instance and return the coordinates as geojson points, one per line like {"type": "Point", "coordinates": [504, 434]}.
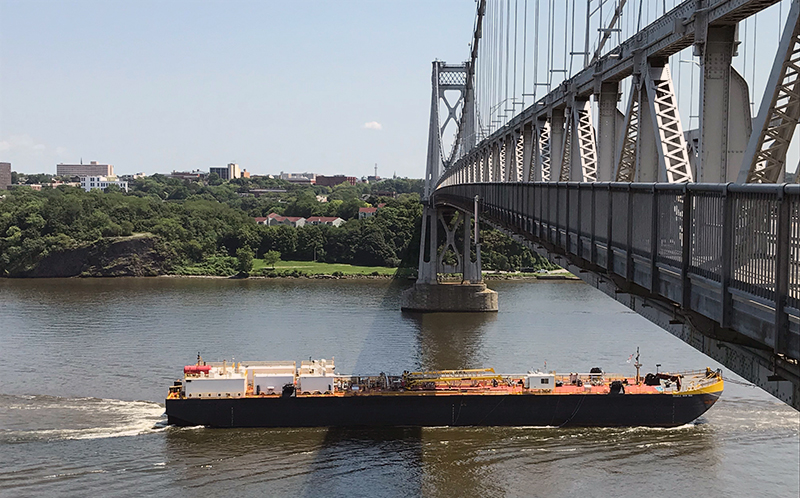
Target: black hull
{"type": "Point", "coordinates": [656, 410]}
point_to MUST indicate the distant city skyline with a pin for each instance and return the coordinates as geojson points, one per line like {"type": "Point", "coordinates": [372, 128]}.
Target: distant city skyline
{"type": "Point", "coordinates": [155, 86]}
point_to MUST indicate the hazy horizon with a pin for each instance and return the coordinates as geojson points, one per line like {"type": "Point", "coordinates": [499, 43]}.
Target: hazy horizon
{"type": "Point", "coordinates": [329, 88]}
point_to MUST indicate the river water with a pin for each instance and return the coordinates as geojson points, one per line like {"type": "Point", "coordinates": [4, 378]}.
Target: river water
{"type": "Point", "coordinates": [85, 365]}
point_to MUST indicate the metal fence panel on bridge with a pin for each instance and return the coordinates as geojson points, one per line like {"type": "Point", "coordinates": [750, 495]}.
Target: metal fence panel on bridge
{"type": "Point", "coordinates": [728, 252]}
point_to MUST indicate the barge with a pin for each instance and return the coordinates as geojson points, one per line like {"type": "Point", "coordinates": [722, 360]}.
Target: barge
{"type": "Point", "coordinates": [279, 394]}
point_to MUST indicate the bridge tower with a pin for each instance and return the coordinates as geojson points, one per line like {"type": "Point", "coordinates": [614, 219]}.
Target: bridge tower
{"type": "Point", "coordinates": [429, 294]}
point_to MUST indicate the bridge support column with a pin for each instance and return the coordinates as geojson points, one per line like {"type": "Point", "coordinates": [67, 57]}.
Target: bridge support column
{"type": "Point", "coordinates": [647, 163]}
{"type": "Point", "coordinates": [607, 131]}
{"type": "Point", "coordinates": [429, 294]}
{"type": "Point", "coordinates": [427, 247]}
{"type": "Point", "coordinates": [556, 144]}
{"type": "Point", "coordinates": [715, 70]}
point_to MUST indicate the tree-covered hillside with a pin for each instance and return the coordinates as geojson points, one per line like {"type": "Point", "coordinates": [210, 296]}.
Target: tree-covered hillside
{"type": "Point", "coordinates": [196, 224]}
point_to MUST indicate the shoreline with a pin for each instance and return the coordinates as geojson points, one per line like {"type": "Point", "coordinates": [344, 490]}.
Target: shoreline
{"type": "Point", "coordinates": [487, 276]}
{"type": "Point", "coordinates": [561, 276]}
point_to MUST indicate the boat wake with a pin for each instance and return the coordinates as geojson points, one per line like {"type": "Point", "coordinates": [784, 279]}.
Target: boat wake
{"type": "Point", "coordinates": [29, 418]}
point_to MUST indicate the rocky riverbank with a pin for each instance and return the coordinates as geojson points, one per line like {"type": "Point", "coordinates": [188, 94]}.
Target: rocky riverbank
{"type": "Point", "coordinates": [134, 256]}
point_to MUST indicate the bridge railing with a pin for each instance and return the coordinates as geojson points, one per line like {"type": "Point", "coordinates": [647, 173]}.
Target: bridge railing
{"type": "Point", "coordinates": [729, 252]}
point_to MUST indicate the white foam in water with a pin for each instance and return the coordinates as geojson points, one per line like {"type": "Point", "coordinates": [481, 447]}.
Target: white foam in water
{"type": "Point", "coordinates": [107, 418]}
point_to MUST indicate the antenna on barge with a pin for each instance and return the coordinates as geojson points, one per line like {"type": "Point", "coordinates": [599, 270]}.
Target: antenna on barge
{"type": "Point", "coordinates": [637, 365]}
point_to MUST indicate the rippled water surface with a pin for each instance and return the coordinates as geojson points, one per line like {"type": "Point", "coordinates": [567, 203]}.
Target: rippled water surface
{"type": "Point", "coordinates": [86, 364]}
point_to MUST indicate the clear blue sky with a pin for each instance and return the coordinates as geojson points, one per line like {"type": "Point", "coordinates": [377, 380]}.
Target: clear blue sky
{"type": "Point", "coordinates": [327, 87]}
{"type": "Point", "coordinates": [154, 86]}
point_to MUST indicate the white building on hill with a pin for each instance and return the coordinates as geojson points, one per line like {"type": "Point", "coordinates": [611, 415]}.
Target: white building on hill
{"type": "Point", "coordinates": [101, 182]}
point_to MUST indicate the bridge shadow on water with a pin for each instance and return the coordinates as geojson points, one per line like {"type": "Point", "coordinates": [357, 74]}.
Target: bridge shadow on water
{"type": "Point", "coordinates": [393, 461]}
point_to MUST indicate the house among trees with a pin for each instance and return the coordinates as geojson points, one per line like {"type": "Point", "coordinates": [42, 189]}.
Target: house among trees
{"type": "Point", "coordinates": [324, 220]}
{"type": "Point", "coordinates": [276, 219]}
{"type": "Point", "coordinates": [369, 211]}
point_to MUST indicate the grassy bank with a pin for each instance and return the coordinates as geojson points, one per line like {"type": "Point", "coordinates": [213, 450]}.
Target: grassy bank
{"type": "Point", "coordinates": [226, 267]}
{"type": "Point", "coordinates": [317, 268]}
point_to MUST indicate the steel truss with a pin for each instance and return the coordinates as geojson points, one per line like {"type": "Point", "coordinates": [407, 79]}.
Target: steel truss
{"type": "Point", "coordinates": [544, 151]}
{"type": "Point", "coordinates": [703, 23]}
{"type": "Point", "coordinates": [587, 146]}
{"type": "Point", "coordinates": [519, 158]}
{"type": "Point", "coordinates": [765, 158]}
{"type": "Point", "coordinates": [673, 156]}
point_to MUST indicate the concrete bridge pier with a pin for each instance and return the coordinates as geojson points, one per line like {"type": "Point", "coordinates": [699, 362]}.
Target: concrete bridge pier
{"type": "Point", "coordinates": [429, 294]}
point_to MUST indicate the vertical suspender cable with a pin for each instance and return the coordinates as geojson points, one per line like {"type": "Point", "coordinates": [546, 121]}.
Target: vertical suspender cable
{"type": "Point", "coordinates": [744, 48]}
{"type": "Point", "coordinates": [514, 91]}
{"type": "Point", "coordinates": [490, 72]}
{"type": "Point", "coordinates": [691, 92]}
{"type": "Point", "coordinates": [586, 34]}
{"type": "Point", "coordinates": [549, 74]}
{"type": "Point", "coordinates": [755, 49]}
{"type": "Point", "coordinates": [535, 50]}
{"type": "Point", "coordinates": [639, 23]}
{"type": "Point", "coordinates": [524, 49]}
{"type": "Point", "coordinates": [478, 91]}
{"type": "Point", "coordinates": [500, 79]}
{"type": "Point", "coordinates": [508, 53]}
{"type": "Point", "coordinates": [563, 67]}
{"type": "Point", "coordinates": [497, 56]}
{"type": "Point", "coordinates": [572, 43]}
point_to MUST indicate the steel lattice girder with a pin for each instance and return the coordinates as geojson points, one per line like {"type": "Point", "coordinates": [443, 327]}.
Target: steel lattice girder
{"type": "Point", "coordinates": [587, 146]}
{"type": "Point", "coordinates": [673, 156]}
{"type": "Point", "coordinates": [502, 161]}
{"type": "Point", "coordinates": [765, 158]}
{"type": "Point", "coordinates": [544, 151]}
{"type": "Point", "coordinates": [519, 158]}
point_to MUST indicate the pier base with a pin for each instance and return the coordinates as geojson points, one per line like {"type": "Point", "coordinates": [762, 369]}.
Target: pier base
{"type": "Point", "coordinates": [449, 297]}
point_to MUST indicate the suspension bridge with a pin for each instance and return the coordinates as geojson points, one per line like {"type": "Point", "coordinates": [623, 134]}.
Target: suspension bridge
{"type": "Point", "coordinates": [643, 145]}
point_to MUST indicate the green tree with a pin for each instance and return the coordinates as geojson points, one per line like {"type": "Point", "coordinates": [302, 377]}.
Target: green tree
{"type": "Point", "coordinates": [244, 257]}
{"type": "Point", "coordinates": [310, 242]}
{"type": "Point", "coordinates": [372, 249]}
{"type": "Point", "coordinates": [271, 257]}
{"type": "Point", "coordinates": [281, 238]}
{"type": "Point", "coordinates": [349, 208]}
{"type": "Point", "coordinates": [213, 179]}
